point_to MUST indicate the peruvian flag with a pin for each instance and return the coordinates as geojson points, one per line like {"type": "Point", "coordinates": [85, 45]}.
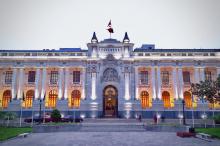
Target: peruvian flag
{"type": "Point", "coordinates": [109, 27]}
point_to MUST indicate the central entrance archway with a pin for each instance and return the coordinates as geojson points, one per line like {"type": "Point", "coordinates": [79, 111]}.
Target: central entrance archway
{"type": "Point", "coordinates": [110, 101]}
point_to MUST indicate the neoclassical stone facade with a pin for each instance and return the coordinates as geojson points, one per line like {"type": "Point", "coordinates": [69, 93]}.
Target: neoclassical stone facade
{"type": "Point", "coordinates": [109, 79]}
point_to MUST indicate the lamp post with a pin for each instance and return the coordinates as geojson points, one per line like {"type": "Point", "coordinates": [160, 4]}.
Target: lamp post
{"type": "Point", "coordinates": [193, 91]}
{"type": "Point", "coordinates": [193, 122]}
{"type": "Point", "coordinates": [40, 110]}
{"type": "Point", "coordinates": [21, 104]}
{"type": "Point", "coordinates": [184, 119]}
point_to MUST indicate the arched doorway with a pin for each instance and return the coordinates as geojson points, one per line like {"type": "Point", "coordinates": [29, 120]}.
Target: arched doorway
{"type": "Point", "coordinates": [166, 99]}
{"type": "Point", "coordinates": [187, 99]}
{"type": "Point", "coordinates": [75, 98]}
{"type": "Point", "coordinates": [52, 100]}
{"type": "Point", "coordinates": [145, 100]}
{"type": "Point", "coordinates": [110, 101]}
{"type": "Point", "coordinates": [29, 99]}
{"type": "Point", "coordinates": [6, 98]}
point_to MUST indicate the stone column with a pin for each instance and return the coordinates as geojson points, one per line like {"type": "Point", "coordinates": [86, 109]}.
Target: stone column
{"type": "Point", "coordinates": [202, 74]}
{"type": "Point", "coordinates": [60, 84]}
{"type": "Point", "coordinates": [127, 92]}
{"type": "Point", "coordinates": [180, 77]}
{"type": "Point", "coordinates": [93, 95]}
{"type": "Point", "coordinates": [158, 83]}
{"type": "Point", "coordinates": [66, 83]}
{"type": "Point", "coordinates": [136, 83]}
{"type": "Point", "coordinates": [82, 80]}
{"type": "Point", "coordinates": [196, 75]}
{"type": "Point", "coordinates": [14, 83]}
{"type": "Point", "coordinates": [175, 89]}
{"type": "Point", "coordinates": [21, 83]}
{"type": "Point", "coordinates": [37, 80]}
{"type": "Point", "coordinates": [153, 82]}
{"type": "Point", "coordinates": [43, 85]}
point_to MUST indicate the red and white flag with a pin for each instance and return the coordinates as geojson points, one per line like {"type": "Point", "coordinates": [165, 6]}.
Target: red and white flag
{"type": "Point", "coordinates": [109, 27]}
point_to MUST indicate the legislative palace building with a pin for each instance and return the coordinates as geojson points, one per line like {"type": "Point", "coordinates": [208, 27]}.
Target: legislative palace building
{"type": "Point", "coordinates": [109, 79]}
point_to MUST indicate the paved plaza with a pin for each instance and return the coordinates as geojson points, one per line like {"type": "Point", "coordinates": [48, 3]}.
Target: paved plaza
{"type": "Point", "coordinates": [107, 139]}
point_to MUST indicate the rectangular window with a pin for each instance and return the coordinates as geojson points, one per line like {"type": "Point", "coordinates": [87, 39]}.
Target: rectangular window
{"type": "Point", "coordinates": [165, 77]}
{"type": "Point", "coordinates": [76, 76]}
{"type": "Point", "coordinates": [8, 77]}
{"type": "Point", "coordinates": [31, 76]}
{"type": "Point", "coordinates": [144, 77]}
{"type": "Point", "coordinates": [208, 75]}
{"type": "Point", "coordinates": [53, 77]}
{"type": "Point", "coordinates": [186, 77]}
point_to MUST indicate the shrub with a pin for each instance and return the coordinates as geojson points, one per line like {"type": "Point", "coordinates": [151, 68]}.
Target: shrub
{"type": "Point", "coordinates": [217, 119]}
{"type": "Point", "coordinates": [185, 134]}
{"type": "Point", "coordinates": [55, 115]}
{"type": "Point", "coordinates": [2, 115]}
{"type": "Point", "coordinates": [10, 116]}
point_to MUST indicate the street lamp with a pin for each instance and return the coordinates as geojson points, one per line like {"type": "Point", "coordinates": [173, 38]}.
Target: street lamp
{"type": "Point", "coordinates": [40, 110]}
{"type": "Point", "coordinates": [184, 119]}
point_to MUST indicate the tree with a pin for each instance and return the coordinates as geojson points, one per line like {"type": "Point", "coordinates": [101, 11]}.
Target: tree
{"type": "Point", "coordinates": [207, 90]}
{"type": "Point", "coordinates": [217, 96]}
{"type": "Point", "coordinates": [55, 115]}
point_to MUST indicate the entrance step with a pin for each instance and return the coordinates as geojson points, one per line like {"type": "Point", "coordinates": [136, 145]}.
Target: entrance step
{"type": "Point", "coordinates": [110, 120]}
{"type": "Point", "coordinates": [112, 128]}
{"type": "Point", "coordinates": [112, 125]}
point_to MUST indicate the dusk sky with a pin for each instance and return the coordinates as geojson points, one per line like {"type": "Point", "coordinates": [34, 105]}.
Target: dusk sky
{"type": "Point", "coordinates": [52, 24]}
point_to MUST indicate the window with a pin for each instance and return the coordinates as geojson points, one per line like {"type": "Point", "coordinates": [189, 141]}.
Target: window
{"type": "Point", "coordinates": [8, 77]}
{"type": "Point", "coordinates": [212, 54]}
{"type": "Point", "coordinates": [75, 98]}
{"type": "Point", "coordinates": [186, 77]}
{"type": "Point", "coordinates": [27, 54]}
{"type": "Point", "coordinates": [140, 54]}
{"type": "Point", "coordinates": [166, 99]}
{"type": "Point", "coordinates": [143, 77]}
{"type": "Point", "coordinates": [29, 99]}
{"type": "Point", "coordinates": [52, 100]}
{"type": "Point", "coordinates": [76, 76]}
{"type": "Point", "coordinates": [165, 77]}
{"type": "Point", "coordinates": [208, 75]}
{"type": "Point", "coordinates": [53, 77]}
{"type": "Point", "coordinates": [145, 100]}
{"type": "Point", "coordinates": [4, 54]}
{"type": "Point", "coordinates": [188, 99]}
{"type": "Point", "coordinates": [31, 76]}
{"type": "Point", "coordinates": [6, 98]}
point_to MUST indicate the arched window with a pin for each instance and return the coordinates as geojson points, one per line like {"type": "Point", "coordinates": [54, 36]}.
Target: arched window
{"type": "Point", "coordinates": [29, 99]}
{"type": "Point", "coordinates": [166, 99]}
{"type": "Point", "coordinates": [52, 99]}
{"type": "Point", "coordinates": [145, 99]}
{"type": "Point", "coordinates": [188, 99]}
{"type": "Point", "coordinates": [75, 98]}
{"type": "Point", "coordinates": [6, 98]}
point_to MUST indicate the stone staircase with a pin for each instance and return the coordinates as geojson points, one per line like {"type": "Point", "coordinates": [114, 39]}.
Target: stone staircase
{"type": "Point", "coordinates": [112, 125]}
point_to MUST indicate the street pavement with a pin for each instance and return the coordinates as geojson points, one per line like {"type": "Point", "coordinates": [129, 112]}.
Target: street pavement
{"type": "Point", "coordinates": [107, 139]}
